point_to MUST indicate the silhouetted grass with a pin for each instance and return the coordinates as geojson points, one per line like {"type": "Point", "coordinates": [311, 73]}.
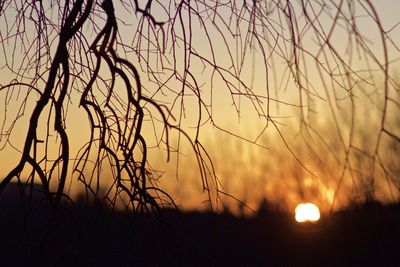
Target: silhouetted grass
{"type": "Point", "coordinates": [81, 236]}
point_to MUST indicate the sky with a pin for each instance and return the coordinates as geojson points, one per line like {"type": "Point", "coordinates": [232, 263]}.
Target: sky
{"type": "Point", "coordinates": [280, 160]}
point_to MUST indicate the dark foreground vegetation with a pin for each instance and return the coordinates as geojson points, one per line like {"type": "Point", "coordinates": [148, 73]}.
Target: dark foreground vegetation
{"type": "Point", "coordinates": [367, 235]}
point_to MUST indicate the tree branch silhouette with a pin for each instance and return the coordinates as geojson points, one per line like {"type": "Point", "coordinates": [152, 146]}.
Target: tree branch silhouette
{"type": "Point", "coordinates": [179, 50]}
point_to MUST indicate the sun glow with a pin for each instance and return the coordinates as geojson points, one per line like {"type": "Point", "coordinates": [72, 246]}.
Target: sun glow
{"type": "Point", "coordinates": [307, 212]}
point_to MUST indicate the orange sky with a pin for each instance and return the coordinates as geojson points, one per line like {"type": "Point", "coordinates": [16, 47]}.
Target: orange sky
{"type": "Point", "coordinates": [248, 171]}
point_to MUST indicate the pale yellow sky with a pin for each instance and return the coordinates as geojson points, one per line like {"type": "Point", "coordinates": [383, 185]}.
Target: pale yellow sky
{"type": "Point", "coordinates": [244, 169]}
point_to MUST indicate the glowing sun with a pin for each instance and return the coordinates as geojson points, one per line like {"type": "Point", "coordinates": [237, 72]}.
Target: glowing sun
{"type": "Point", "coordinates": [307, 212]}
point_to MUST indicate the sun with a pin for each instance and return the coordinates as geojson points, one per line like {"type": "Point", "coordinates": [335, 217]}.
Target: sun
{"type": "Point", "coordinates": [307, 212]}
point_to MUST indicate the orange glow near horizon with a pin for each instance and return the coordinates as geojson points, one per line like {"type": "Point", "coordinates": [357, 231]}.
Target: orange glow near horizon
{"type": "Point", "coordinates": [307, 212]}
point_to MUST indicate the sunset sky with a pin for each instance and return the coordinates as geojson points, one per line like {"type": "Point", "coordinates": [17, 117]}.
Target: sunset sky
{"type": "Point", "coordinates": [278, 159]}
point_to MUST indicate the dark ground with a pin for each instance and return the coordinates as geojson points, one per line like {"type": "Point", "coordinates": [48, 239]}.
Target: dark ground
{"type": "Point", "coordinates": [367, 235]}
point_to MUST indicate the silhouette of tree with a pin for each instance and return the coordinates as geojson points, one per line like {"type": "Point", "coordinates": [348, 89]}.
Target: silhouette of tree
{"type": "Point", "coordinates": [127, 63]}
